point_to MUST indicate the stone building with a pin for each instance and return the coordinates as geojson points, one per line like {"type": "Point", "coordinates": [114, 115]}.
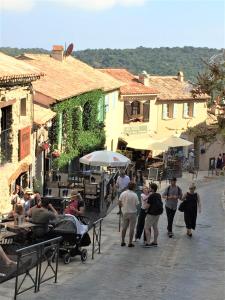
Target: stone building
{"type": "Point", "coordinates": [16, 114]}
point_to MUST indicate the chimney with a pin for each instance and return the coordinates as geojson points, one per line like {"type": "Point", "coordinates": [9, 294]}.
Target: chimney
{"type": "Point", "coordinates": [144, 78]}
{"type": "Point", "coordinates": [57, 52]}
{"type": "Point", "coordinates": [180, 76]}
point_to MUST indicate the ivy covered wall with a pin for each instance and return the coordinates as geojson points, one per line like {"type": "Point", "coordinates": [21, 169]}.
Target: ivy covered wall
{"type": "Point", "coordinates": [78, 127]}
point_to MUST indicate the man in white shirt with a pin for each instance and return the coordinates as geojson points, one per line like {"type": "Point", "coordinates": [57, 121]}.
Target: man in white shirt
{"type": "Point", "coordinates": [121, 184]}
{"type": "Point", "coordinates": [128, 201]}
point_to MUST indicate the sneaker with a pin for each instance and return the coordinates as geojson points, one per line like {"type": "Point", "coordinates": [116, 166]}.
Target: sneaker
{"type": "Point", "coordinates": [123, 244]}
{"type": "Point", "coordinates": [130, 245]}
{"type": "Point", "coordinates": [153, 244]}
{"type": "Point", "coordinates": [170, 234]}
{"type": "Point", "coordinates": [147, 246]}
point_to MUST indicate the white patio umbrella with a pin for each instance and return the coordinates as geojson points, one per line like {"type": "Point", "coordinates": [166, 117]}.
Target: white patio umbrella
{"type": "Point", "coordinates": [105, 158]}
{"type": "Point", "coordinates": [172, 141]}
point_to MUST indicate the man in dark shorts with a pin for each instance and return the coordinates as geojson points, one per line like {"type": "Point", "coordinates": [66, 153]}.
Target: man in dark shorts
{"type": "Point", "coordinates": [171, 194]}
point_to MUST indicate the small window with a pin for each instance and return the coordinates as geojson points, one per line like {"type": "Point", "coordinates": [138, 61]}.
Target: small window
{"type": "Point", "coordinates": [190, 109]}
{"type": "Point", "coordinates": [135, 108]}
{"type": "Point", "coordinates": [23, 107]}
{"type": "Point", "coordinates": [168, 111]}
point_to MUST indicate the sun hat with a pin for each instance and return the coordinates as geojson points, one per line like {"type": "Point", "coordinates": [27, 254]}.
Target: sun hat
{"type": "Point", "coordinates": [28, 191]}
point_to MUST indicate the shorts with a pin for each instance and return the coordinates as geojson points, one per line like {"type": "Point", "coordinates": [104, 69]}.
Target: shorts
{"type": "Point", "coordinates": [129, 219]}
{"type": "Point", "coordinates": [151, 220]}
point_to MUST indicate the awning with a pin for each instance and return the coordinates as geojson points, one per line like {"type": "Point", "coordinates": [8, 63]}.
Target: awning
{"type": "Point", "coordinates": [139, 142]}
{"type": "Point", "coordinates": [156, 143]}
{"type": "Point", "coordinates": [42, 115]}
{"type": "Point", "coordinates": [24, 167]}
{"type": "Point", "coordinates": [170, 142]}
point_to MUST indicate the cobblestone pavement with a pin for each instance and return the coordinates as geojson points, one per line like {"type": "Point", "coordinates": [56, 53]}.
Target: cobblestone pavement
{"type": "Point", "coordinates": [179, 269]}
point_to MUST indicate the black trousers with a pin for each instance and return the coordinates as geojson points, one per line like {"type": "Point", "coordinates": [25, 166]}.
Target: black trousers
{"type": "Point", "coordinates": [140, 224]}
{"type": "Point", "coordinates": [170, 216]}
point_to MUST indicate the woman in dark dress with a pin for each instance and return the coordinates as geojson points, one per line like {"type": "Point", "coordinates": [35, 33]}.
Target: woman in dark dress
{"type": "Point", "coordinates": [192, 207]}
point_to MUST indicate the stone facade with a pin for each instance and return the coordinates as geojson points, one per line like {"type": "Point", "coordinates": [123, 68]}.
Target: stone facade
{"type": "Point", "coordinates": [10, 170]}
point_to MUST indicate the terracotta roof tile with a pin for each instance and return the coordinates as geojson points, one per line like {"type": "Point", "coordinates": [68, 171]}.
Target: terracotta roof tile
{"type": "Point", "coordinates": [11, 68]}
{"type": "Point", "coordinates": [68, 78]}
{"type": "Point", "coordinates": [170, 88]}
{"type": "Point", "coordinates": [132, 85]}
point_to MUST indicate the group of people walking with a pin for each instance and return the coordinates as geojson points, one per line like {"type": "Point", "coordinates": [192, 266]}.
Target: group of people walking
{"type": "Point", "coordinates": [151, 207]}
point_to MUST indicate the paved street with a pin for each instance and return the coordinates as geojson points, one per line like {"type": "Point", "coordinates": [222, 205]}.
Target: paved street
{"type": "Point", "coordinates": [179, 269]}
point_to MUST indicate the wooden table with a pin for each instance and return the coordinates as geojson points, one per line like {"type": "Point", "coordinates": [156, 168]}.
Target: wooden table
{"type": "Point", "coordinates": [24, 225]}
{"type": "Point", "coordinates": [6, 234]}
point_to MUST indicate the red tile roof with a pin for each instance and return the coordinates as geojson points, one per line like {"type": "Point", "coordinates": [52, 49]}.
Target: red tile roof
{"type": "Point", "coordinates": [67, 78]}
{"type": "Point", "coordinates": [170, 88]}
{"type": "Point", "coordinates": [12, 69]}
{"type": "Point", "coordinates": [132, 85]}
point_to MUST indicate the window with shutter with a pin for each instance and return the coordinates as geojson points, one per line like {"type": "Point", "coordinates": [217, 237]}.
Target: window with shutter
{"type": "Point", "coordinates": [174, 110]}
{"type": "Point", "coordinates": [164, 111]}
{"type": "Point", "coordinates": [194, 110]}
{"type": "Point", "coordinates": [135, 108]}
{"type": "Point", "coordinates": [170, 110]}
{"type": "Point", "coordinates": [185, 110]}
{"type": "Point", "coordinates": [127, 112]}
{"type": "Point", "coordinates": [146, 111]}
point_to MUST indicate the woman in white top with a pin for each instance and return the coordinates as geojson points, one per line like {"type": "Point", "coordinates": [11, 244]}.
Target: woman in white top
{"type": "Point", "coordinates": [142, 214]}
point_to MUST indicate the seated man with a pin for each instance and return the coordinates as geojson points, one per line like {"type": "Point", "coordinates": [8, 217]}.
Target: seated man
{"type": "Point", "coordinates": [42, 216]}
{"type": "Point", "coordinates": [76, 205]}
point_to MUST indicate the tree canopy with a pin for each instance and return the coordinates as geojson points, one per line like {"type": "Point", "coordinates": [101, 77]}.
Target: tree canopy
{"type": "Point", "coordinates": [156, 61]}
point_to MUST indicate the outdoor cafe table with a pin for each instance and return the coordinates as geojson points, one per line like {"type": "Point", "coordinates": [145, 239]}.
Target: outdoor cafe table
{"type": "Point", "coordinates": [24, 225]}
{"type": "Point", "coordinates": [6, 234]}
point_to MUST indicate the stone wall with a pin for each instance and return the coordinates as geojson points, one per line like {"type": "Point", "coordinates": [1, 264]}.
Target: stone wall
{"type": "Point", "coordinates": [8, 170]}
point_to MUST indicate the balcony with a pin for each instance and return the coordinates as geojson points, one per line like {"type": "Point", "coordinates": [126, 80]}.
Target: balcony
{"type": "Point", "coordinates": [5, 146]}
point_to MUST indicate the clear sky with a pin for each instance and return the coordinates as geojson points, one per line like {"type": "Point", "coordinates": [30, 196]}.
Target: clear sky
{"type": "Point", "coordinates": [112, 23]}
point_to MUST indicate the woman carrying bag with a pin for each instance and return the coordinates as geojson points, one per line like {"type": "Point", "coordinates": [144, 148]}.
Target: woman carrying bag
{"type": "Point", "coordinates": [191, 205]}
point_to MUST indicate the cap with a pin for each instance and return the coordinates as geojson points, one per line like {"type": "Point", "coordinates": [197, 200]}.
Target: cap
{"type": "Point", "coordinates": [28, 191]}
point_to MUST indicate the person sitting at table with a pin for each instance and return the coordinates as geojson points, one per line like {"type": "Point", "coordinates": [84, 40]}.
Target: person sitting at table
{"type": "Point", "coordinates": [16, 195]}
{"type": "Point", "coordinates": [18, 213]}
{"type": "Point", "coordinates": [76, 205]}
{"type": "Point", "coordinates": [5, 258]}
{"type": "Point", "coordinates": [42, 217]}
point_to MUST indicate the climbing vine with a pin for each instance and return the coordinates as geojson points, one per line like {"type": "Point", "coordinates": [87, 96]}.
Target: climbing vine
{"type": "Point", "coordinates": [82, 130]}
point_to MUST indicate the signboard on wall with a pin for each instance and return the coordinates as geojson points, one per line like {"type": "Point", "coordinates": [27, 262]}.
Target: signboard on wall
{"type": "Point", "coordinates": [24, 142]}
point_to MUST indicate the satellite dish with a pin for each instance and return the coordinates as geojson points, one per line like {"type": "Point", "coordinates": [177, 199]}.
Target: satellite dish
{"type": "Point", "coordinates": [69, 50]}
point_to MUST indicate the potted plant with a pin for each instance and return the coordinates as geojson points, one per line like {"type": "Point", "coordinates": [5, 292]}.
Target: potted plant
{"type": "Point", "coordinates": [56, 153]}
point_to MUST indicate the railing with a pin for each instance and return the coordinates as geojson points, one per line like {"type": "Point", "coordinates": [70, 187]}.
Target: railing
{"type": "Point", "coordinates": [96, 237]}
{"type": "Point", "coordinates": [5, 146]}
{"type": "Point", "coordinates": [45, 251]}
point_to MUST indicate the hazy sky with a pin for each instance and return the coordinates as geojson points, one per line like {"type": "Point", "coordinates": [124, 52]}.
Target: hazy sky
{"type": "Point", "coordinates": [112, 23]}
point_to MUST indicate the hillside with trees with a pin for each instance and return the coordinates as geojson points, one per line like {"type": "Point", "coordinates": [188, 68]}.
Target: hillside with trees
{"type": "Point", "coordinates": [156, 61]}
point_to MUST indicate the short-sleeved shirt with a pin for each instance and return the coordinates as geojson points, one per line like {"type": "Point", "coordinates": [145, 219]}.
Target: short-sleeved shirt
{"type": "Point", "coordinates": [172, 191]}
{"type": "Point", "coordinates": [129, 200]}
{"type": "Point", "coordinates": [122, 182]}
{"type": "Point", "coordinates": [76, 204]}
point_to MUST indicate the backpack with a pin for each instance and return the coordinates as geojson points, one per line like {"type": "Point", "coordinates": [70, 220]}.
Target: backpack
{"type": "Point", "coordinates": [178, 188]}
{"type": "Point", "coordinates": [157, 208]}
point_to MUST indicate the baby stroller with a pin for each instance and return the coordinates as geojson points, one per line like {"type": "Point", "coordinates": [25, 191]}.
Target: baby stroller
{"type": "Point", "coordinates": [74, 236]}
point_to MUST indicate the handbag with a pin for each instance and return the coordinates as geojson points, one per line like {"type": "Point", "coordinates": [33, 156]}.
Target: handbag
{"type": "Point", "coordinates": [182, 206]}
